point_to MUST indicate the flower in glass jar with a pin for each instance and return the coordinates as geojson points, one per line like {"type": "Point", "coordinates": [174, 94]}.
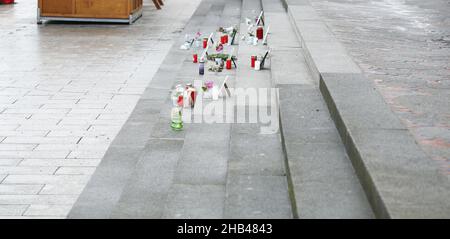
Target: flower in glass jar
{"type": "Point", "coordinates": [209, 84]}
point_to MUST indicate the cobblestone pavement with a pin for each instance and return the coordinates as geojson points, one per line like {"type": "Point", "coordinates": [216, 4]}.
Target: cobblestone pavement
{"type": "Point", "coordinates": [65, 92]}
{"type": "Point", "coordinates": [404, 47]}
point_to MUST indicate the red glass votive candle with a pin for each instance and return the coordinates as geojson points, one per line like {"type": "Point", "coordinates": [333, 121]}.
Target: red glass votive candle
{"type": "Point", "coordinates": [228, 65]}
{"type": "Point", "coordinates": [260, 33]}
{"type": "Point", "coordinates": [226, 39]}
{"type": "Point", "coordinates": [253, 61]}
{"type": "Point", "coordinates": [195, 58]}
{"type": "Point", "coordinates": [205, 43]}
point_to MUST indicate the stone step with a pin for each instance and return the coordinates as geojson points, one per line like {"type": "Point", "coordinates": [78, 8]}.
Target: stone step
{"type": "Point", "coordinates": [399, 179]}
{"type": "Point", "coordinates": [119, 187]}
{"type": "Point", "coordinates": [256, 184]}
{"type": "Point", "coordinates": [182, 174]}
{"type": "Point", "coordinates": [322, 181]}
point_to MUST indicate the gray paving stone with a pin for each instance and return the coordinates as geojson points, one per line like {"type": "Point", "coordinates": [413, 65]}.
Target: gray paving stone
{"type": "Point", "coordinates": [195, 201]}
{"type": "Point", "coordinates": [256, 154]}
{"type": "Point", "coordinates": [12, 210]}
{"type": "Point", "coordinates": [147, 189]}
{"type": "Point", "coordinates": [134, 135]}
{"type": "Point", "coordinates": [284, 73]}
{"type": "Point", "coordinates": [281, 35]}
{"type": "Point", "coordinates": [319, 162]}
{"type": "Point", "coordinates": [397, 173]}
{"type": "Point", "coordinates": [163, 79]}
{"type": "Point", "coordinates": [291, 3]}
{"type": "Point", "coordinates": [334, 202]}
{"type": "Point", "coordinates": [106, 185]}
{"type": "Point", "coordinates": [155, 94]}
{"type": "Point", "coordinates": [37, 199]}
{"type": "Point", "coordinates": [162, 130]}
{"type": "Point", "coordinates": [205, 155]}
{"type": "Point", "coordinates": [365, 109]}
{"type": "Point", "coordinates": [313, 113]}
{"type": "Point", "coordinates": [145, 110]}
{"type": "Point", "coordinates": [255, 196]}
{"type": "Point", "coordinates": [321, 58]}
{"type": "Point", "coordinates": [273, 6]}
{"type": "Point", "coordinates": [19, 189]}
{"type": "Point", "coordinates": [47, 210]}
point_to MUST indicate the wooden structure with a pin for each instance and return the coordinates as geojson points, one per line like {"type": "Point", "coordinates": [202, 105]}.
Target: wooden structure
{"type": "Point", "coordinates": [158, 3]}
{"type": "Point", "coordinates": [125, 11]}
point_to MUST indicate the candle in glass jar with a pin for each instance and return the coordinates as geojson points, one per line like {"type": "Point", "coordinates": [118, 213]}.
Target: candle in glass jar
{"type": "Point", "coordinates": [228, 64]}
{"type": "Point", "coordinates": [253, 59]}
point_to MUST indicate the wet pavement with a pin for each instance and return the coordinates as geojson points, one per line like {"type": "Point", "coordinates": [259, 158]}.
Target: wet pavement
{"type": "Point", "coordinates": [66, 89]}
{"type": "Point", "coordinates": [404, 47]}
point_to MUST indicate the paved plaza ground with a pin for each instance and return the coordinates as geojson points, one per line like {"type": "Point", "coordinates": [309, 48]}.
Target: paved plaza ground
{"type": "Point", "coordinates": [65, 92]}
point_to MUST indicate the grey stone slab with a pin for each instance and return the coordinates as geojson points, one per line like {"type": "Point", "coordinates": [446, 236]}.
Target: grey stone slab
{"type": "Point", "coordinates": [302, 108]}
{"type": "Point", "coordinates": [364, 109]}
{"type": "Point", "coordinates": [322, 200]}
{"type": "Point", "coordinates": [164, 78]}
{"type": "Point", "coordinates": [283, 72]}
{"type": "Point", "coordinates": [325, 54]}
{"type": "Point", "coordinates": [203, 8]}
{"type": "Point", "coordinates": [282, 34]}
{"type": "Point", "coordinates": [257, 197]}
{"type": "Point", "coordinates": [250, 8]}
{"type": "Point", "coordinates": [331, 58]}
{"type": "Point", "coordinates": [256, 154]}
{"type": "Point", "coordinates": [270, 6]}
{"type": "Point", "coordinates": [232, 9]}
{"type": "Point", "coordinates": [205, 155]}
{"type": "Point", "coordinates": [392, 168]}
{"type": "Point", "coordinates": [105, 187]}
{"type": "Point", "coordinates": [323, 162]}
{"type": "Point", "coordinates": [246, 128]}
{"type": "Point", "coordinates": [189, 70]}
{"type": "Point", "coordinates": [175, 57]}
{"type": "Point", "coordinates": [318, 135]}
{"type": "Point", "coordinates": [163, 130]}
{"type": "Point", "coordinates": [155, 94]}
{"type": "Point", "coordinates": [395, 171]}
{"type": "Point", "coordinates": [307, 12]}
{"type": "Point", "coordinates": [134, 134]}
{"type": "Point", "coordinates": [145, 110]}
{"type": "Point", "coordinates": [147, 189]}
{"type": "Point", "coordinates": [135, 208]}
{"type": "Point", "coordinates": [195, 202]}
{"type": "Point", "coordinates": [315, 31]}
{"type": "Point", "coordinates": [297, 2]}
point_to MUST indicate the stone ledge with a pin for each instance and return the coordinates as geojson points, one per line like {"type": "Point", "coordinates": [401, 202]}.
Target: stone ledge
{"type": "Point", "coordinates": [399, 179]}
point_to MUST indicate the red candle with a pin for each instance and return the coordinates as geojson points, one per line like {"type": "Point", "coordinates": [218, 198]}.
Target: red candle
{"type": "Point", "coordinates": [180, 100]}
{"type": "Point", "coordinates": [260, 33]}
{"type": "Point", "coordinates": [222, 39]}
{"type": "Point", "coordinates": [226, 39]}
{"type": "Point", "coordinates": [195, 58]}
{"type": "Point", "coordinates": [253, 61]}
{"type": "Point", "coordinates": [205, 43]}
{"type": "Point", "coordinates": [229, 64]}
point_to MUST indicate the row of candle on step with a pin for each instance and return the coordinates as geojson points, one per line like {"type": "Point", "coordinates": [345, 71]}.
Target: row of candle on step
{"type": "Point", "coordinates": [223, 40]}
{"type": "Point", "coordinates": [228, 63]}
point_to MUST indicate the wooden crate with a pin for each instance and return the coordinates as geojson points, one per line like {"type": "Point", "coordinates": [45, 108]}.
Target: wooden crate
{"type": "Point", "coordinates": [90, 10]}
